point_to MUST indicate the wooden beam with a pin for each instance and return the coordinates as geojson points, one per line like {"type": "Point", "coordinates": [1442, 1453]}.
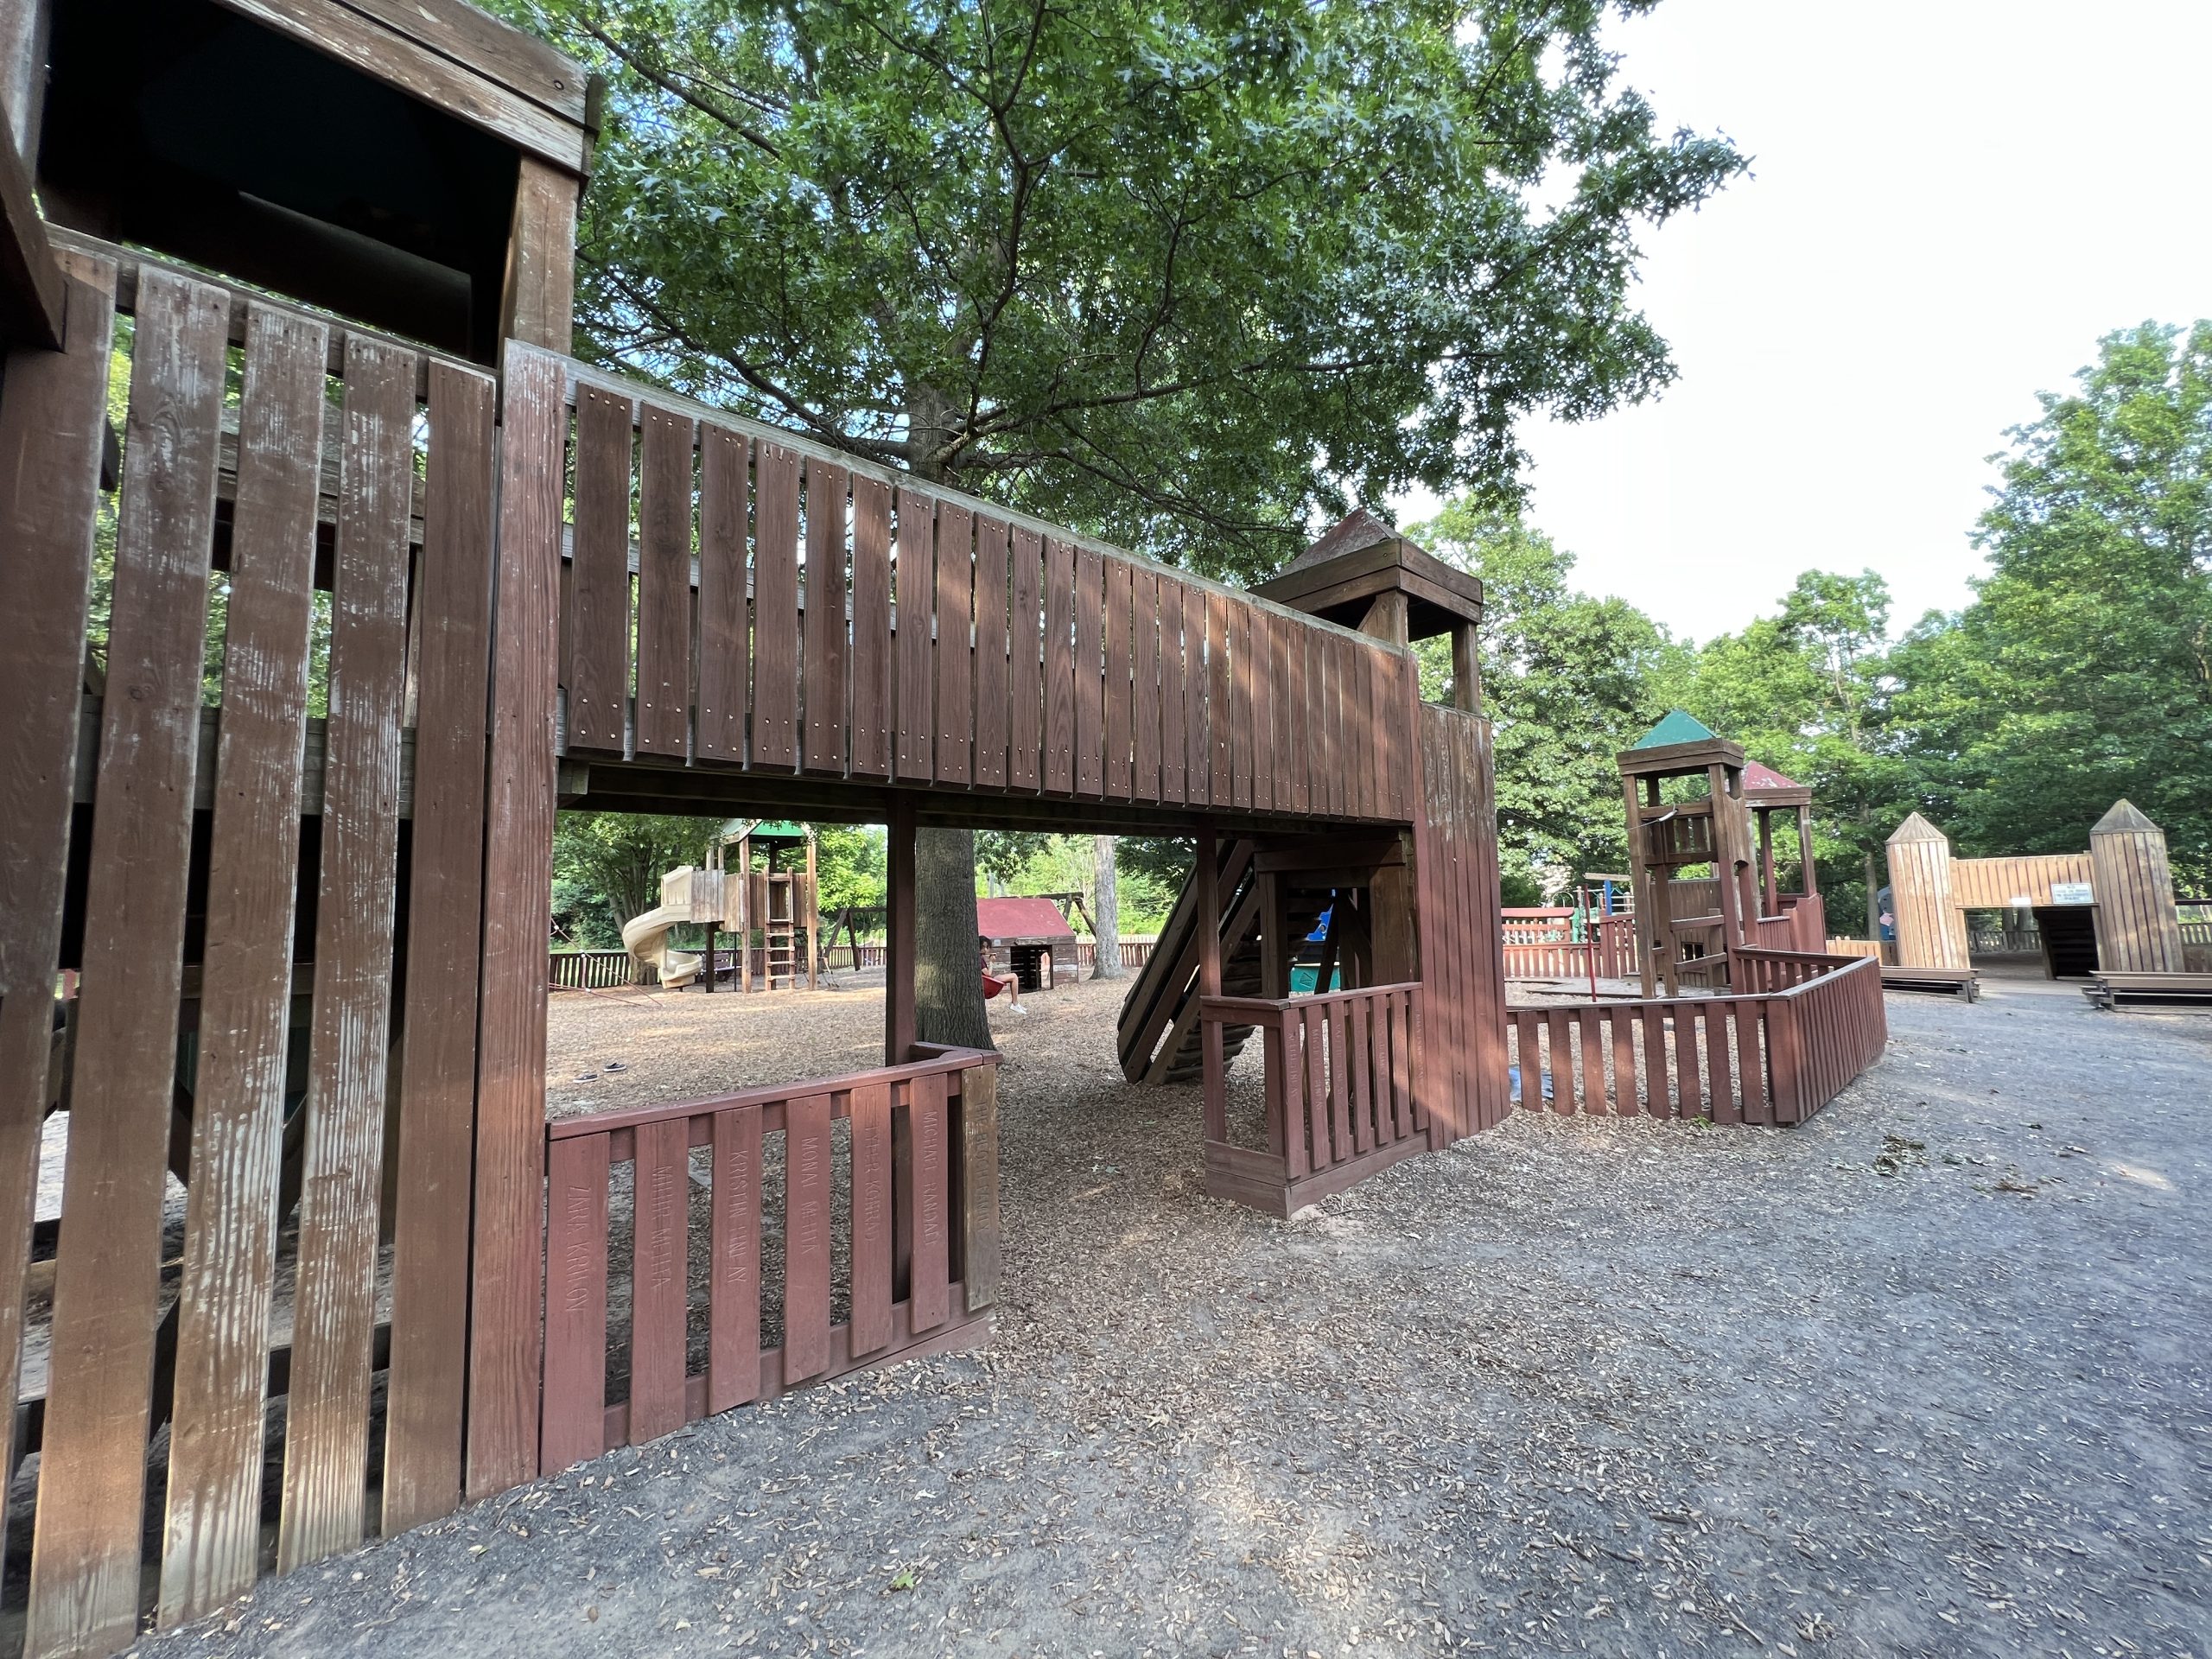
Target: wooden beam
{"type": "Point", "coordinates": [538, 305]}
{"type": "Point", "coordinates": [898, 950]}
{"type": "Point", "coordinates": [32, 294]}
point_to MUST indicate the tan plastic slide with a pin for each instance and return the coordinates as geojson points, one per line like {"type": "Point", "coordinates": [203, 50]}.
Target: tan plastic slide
{"type": "Point", "coordinates": [686, 895]}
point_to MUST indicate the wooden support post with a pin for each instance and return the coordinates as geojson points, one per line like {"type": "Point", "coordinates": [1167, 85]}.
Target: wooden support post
{"type": "Point", "coordinates": [538, 305]}
{"type": "Point", "coordinates": [1387, 618]}
{"type": "Point", "coordinates": [1771, 898]}
{"type": "Point", "coordinates": [813, 924]}
{"type": "Point", "coordinates": [1209, 925]}
{"type": "Point", "coordinates": [1807, 884]}
{"type": "Point", "coordinates": [744, 912]}
{"type": "Point", "coordinates": [899, 926]}
{"type": "Point", "coordinates": [1275, 946]}
{"type": "Point", "coordinates": [1466, 669]}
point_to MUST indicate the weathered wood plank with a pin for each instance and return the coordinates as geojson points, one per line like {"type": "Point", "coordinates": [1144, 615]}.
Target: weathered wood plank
{"type": "Point", "coordinates": [872, 1299]}
{"type": "Point", "coordinates": [665, 479]}
{"type": "Point", "coordinates": [874, 724]}
{"type": "Point", "coordinates": [981, 1252]}
{"type": "Point", "coordinates": [734, 1275]}
{"type": "Point", "coordinates": [990, 653]}
{"type": "Point", "coordinates": [806, 1237]}
{"type": "Point", "coordinates": [53, 422]}
{"type": "Point", "coordinates": [506, 1282]}
{"type": "Point", "coordinates": [827, 708]}
{"type": "Point", "coordinates": [916, 577]}
{"type": "Point", "coordinates": [1059, 668]}
{"type": "Point", "coordinates": [929, 1296]}
{"type": "Point", "coordinates": [1175, 718]}
{"type": "Point", "coordinates": [84, 1588]}
{"type": "Point", "coordinates": [599, 626]}
{"type": "Point", "coordinates": [211, 1535]}
{"type": "Point", "coordinates": [1090, 673]}
{"type": "Point", "coordinates": [725, 649]}
{"type": "Point", "coordinates": [334, 1318]}
{"type": "Point", "coordinates": [775, 609]}
{"type": "Point", "coordinates": [1144, 612]}
{"type": "Point", "coordinates": [956, 627]}
{"type": "Point", "coordinates": [658, 1279]}
{"type": "Point", "coordinates": [575, 1303]}
{"type": "Point", "coordinates": [1025, 686]}
{"type": "Point", "coordinates": [1197, 751]}
{"type": "Point", "coordinates": [1120, 668]}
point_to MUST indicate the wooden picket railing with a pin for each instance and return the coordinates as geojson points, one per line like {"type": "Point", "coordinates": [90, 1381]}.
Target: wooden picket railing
{"type": "Point", "coordinates": [912, 1253]}
{"type": "Point", "coordinates": [1340, 1075]}
{"type": "Point", "coordinates": [1774, 1054]}
{"type": "Point", "coordinates": [588, 970]}
{"type": "Point", "coordinates": [964, 645]}
{"type": "Point", "coordinates": [1540, 944]}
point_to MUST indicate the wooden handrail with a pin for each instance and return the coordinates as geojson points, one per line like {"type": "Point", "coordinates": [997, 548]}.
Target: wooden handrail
{"type": "Point", "coordinates": [944, 1060]}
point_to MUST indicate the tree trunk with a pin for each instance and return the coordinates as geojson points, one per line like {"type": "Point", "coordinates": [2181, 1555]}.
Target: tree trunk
{"type": "Point", "coordinates": [948, 963]}
{"type": "Point", "coordinates": [1874, 903]}
{"type": "Point", "coordinates": [1106, 918]}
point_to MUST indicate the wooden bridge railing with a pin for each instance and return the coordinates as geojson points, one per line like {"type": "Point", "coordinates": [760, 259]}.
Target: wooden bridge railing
{"type": "Point", "coordinates": [1340, 1073]}
{"type": "Point", "coordinates": [964, 645]}
{"type": "Point", "coordinates": [739, 1252]}
{"type": "Point", "coordinates": [1773, 1055]}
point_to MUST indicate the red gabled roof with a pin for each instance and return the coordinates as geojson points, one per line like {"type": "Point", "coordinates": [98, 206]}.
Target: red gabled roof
{"type": "Point", "coordinates": [1762, 777]}
{"type": "Point", "coordinates": [1020, 918]}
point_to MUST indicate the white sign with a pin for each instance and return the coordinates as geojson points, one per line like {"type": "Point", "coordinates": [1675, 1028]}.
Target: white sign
{"type": "Point", "coordinates": [2071, 892]}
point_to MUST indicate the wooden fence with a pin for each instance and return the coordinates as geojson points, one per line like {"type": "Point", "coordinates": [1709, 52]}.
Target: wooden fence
{"type": "Point", "coordinates": [732, 1297]}
{"type": "Point", "coordinates": [1774, 1054]}
{"type": "Point", "coordinates": [1540, 944]}
{"type": "Point", "coordinates": [588, 970]}
{"type": "Point", "coordinates": [1341, 1071]}
{"type": "Point", "coordinates": [982, 652]}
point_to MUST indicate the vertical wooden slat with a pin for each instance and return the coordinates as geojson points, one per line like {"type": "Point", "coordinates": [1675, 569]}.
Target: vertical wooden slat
{"type": "Point", "coordinates": [871, 1317]}
{"type": "Point", "coordinates": [1120, 685]}
{"type": "Point", "coordinates": [825, 667]}
{"type": "Point", "coordinates": [956, 612]}
{"type": "Point", "coordinates": [916, 577]}
{"type": "Point", "coordinates": [1593, 1061]}
{"type": "Point", "coordinates": [576, 1302]}
{"type": "Point", "coordinates": [1238, 616]}
{"type": "Point", "coordinates": [734, 1275]}
{"type": "Point", "coordinates": [1327, 1150]}
{"type": "Point", "coordinates": [1297, 760]}
{"type": "Point", "coordinates": [657, 1279]}
{"type": "Point", "coordinates": [873, 671]}
{"type": "Point", "coordinates": [806, 1237]}
{"type": "Point", "coordinates": [1526, 1023]}
{"type": "Point", "coordinates": [725, 650]}
{"type": "Point", "coordinates": [1716, 1061]}
{"type": "Point", "coordinates": [980, 1253]}
{"type": "Point", "coordinates": [990, 653]}
{"type": "Point", "coordinates": [1401, 1031]}
{"type": "Point", "coordinates": [212, 1532]}
{"type": "Point", "coordinates": [664, 583]}
{"type": "Point", "coordinates": [52, 427]}
{"type": "Point", "coordinates": [1359, 1060]}
{"type": "Point", "coordinates": [1221, 706]}
{"type": "Point", "coordinates": [928, 1298]}
{"type": "Point", "coordinates": [1624, 1100]}
{"type": "Point", "coordinates": [1285, 712]}
{"type": "Point", "coordinates": [1688, 1097]}
{"type": "Point", "coordinates": [1751, 1064]}
{"type": "Point", "coordinates": [1563, 1059]}
{"type": "Point", "coordinates": [774, 744]}
{"type": "Point", "coordinates": [1025, 690]}
{"type": "Point", "coordinates": [1059, 668]}
{"type": "Point", "coordinates": [1088, 673]}
{"type": "Point", "coordinates": [599, 695]}
{"type": "Point", "coordinates": [1657, 1100]}
{"type": "Point", "coordinates": [506, 1287]}
{"type": "Point", "coordinates": [83, 1587]}
{"type": "Point", "coordinates": [1174, 733]}
{"type": "Point", "coordinates": [1286, 1126]}
{"type": "Point", "coordinates": [1144, 629]}
{"type": "Point", "coordinates": [1198, 787]}
{"type": "Point", "coordinates": [325, 1448]}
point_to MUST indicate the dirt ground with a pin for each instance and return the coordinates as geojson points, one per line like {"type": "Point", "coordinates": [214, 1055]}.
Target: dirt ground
{"type": "Point", "coordinates": [1928, 1375]}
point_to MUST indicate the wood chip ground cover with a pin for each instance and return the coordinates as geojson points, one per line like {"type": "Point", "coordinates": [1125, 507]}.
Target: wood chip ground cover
{"type": "Point", "coordinates": [1926, 1376]}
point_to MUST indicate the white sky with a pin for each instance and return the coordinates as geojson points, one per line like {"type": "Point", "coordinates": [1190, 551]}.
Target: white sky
{"type": "Point", "coordinates": [1950, 201]}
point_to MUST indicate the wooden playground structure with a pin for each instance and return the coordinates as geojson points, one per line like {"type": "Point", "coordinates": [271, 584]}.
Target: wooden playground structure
{"type": "Point", "coordinates": [306, 951]}
{"type": "Point", "coordinates": [2109, 913]}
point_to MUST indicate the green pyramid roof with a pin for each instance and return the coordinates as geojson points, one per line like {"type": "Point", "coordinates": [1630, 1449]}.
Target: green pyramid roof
{"type": "Point", "coordinates": [1676, 728]}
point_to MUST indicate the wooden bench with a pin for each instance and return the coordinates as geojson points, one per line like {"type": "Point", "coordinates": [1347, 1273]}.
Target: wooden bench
{"type": "Point", "coordinates": [2108, 990]}
{"type": "Point", "coordinates": [1948, 981]}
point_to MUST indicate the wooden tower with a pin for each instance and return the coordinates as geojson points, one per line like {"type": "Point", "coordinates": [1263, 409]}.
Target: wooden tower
{"type": "Point", "coordinates": [2137, 931]}
{"type": "Point", "coordinates": [1931, 927]}
{"type": "Point", "coordinates": [1686, 928]}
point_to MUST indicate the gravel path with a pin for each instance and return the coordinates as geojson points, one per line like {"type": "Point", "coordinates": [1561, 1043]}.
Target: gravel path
{"type": "Point", "coordinates": [1926, 1376]}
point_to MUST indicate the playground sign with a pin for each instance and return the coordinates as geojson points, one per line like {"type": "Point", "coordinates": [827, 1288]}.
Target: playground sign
{"type": "Point", "coordinates": [2071, 892]}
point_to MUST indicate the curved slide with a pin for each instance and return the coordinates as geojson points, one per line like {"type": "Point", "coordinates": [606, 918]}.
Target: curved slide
{"type": "Point", "coordinates": [645, 938]}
